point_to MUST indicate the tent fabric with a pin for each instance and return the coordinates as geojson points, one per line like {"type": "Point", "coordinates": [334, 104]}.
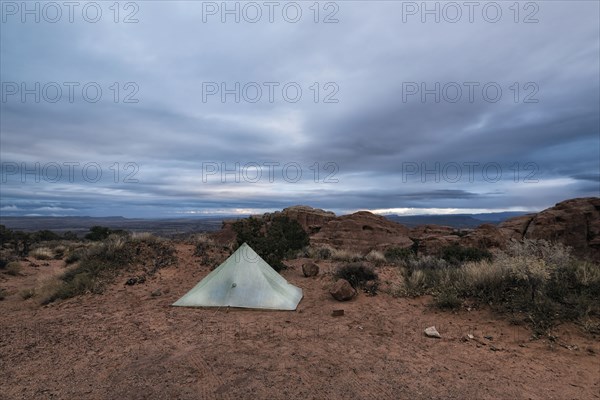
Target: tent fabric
{"type": "Point", "coordinates": [244, 280]}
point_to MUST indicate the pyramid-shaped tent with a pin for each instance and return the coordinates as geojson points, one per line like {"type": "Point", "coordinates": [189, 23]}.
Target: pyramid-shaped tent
{"type": "Point", "coordinates": [243, 280]}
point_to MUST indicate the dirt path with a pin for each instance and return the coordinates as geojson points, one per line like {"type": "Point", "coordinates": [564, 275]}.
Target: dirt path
{"type": "Point", "coordinates": [129, 344]}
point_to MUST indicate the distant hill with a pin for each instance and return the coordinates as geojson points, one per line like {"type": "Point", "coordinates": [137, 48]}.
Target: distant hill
{"type": "Point", "coordinates": [171, 226]}
{"type": "Point", "coordinates": [80, 225]}
{"type": "Point", "coordinates": [454, 220]}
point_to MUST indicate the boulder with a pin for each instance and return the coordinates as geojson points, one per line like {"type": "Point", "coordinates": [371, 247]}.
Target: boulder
{"type": "Point", "coordinates": [310, 269]}
{"type": "Point", "coordinates": [342, 290]}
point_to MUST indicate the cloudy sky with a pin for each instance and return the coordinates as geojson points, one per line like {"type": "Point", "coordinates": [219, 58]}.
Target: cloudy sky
{"type": "Point", "coordinates": [184, 108]}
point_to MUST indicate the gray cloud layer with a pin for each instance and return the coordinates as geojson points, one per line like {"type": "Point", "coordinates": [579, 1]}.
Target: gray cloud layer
{"type": "Point", "coordinates": [388, 150]}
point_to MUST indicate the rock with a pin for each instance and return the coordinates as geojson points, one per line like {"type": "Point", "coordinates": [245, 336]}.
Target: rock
{"type": "Point", "coordinates": [311, 219]}
{"type": "Point", "coordinates": [131, 281]}
{"type": "Point", "coordinates": [485, 236]}
{"type": "Point", "coordinates": [433, 238]}
{"type": "Point", "coordinates": [337, 313]}
{"type": "Point", "coordinates": [432, 332]}
{"type": "Point", "coordinates": [362, 232]}
{"type": "Point", "coordinates": [575, 223]}
{"type": "Point", "coordinates": [156, 293]}
{"type": "Point", "coordinates": [310, 269]}
{"type": "Point", "coordinates": [342, 290]}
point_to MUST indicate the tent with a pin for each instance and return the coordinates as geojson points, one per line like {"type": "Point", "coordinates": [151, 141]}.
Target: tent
{"type": "Point", "coordinates": [243, 280]}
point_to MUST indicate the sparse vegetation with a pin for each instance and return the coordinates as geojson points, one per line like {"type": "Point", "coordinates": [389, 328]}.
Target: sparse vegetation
{"type": "Point", "coordinates": [535, 279]}
{"type": "Point", "coordinates": [103, 261]}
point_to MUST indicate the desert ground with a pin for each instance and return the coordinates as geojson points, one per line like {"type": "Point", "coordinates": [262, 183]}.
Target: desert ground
{"type": "Point", "coordinates": [130, 343]}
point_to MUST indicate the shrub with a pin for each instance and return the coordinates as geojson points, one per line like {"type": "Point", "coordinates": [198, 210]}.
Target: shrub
{"type": "Point", "coordinates": [323, 253]}
{"type": "Point", "coordinates": [59, 252]}
{"type": "Point", "coordinates": [426, 263]}
{"type": "Point", "coordinates": [27, 293]}
{"type": "Point", "coordinates": [68, 235]}
{"type": "Point", "coordinates": [42, 253]}
{"type": "Point", "coordinates": [457, 254]}
{"type": "Point", "coordinates": [273, 240]}
{"type": "Point", "coordinates": [375, 256]}
{"type": "Point", "coordinates": [13, 268]}
{"type": "Point", "coordinates": [98, 233]}
{"type": "Point", "coordinates": [448, 299]}
{"type": "Point", "coordinates": [357, 275]}
{"type": "Point", "coordinates": [45, 236]}
{"type": "Point", "coordinates": [399, 254]}
{"type": "Point", "coordinates": [203, 242]}
{"type": "Point", "coordinates": [75, 255]}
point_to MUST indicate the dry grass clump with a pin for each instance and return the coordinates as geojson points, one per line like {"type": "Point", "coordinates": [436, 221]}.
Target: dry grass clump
{"type": "Point", "coordinates": [143, 237]}
{"type": "Point", "coordinates": [13, 268]}
{"type": "Point", "coordinates": [375, 256]}
{"type": "Point", "coordinates": [42, 253]}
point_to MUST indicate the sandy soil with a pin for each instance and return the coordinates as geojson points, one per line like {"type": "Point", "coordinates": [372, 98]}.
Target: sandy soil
{"type": "Point", "coordinates": [127, 344]}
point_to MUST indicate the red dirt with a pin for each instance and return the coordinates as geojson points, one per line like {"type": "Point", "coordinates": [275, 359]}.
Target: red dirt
{"type": "Point", "coordinates": [126, 344]}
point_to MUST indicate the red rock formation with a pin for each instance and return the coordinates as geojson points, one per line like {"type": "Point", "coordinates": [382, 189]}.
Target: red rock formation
{"type": "Point", "coordinates": [574, 222]}
{"type": "Point", "coordinates": [362, 231]}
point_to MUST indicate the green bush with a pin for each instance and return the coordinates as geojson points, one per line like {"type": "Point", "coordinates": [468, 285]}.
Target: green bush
{"type": "Point", "coordinates": [273, 240]}
{"type": "Point", "coordinates": [357, 275]}
{"type": "Point", "coordinates": [98, 233]}
{"type": "Point", "coordinates": [448, 299]}
{"type": "Point", "coordinates": [399, 254]}
{"type": "Point", "coordinates": [457, 254]}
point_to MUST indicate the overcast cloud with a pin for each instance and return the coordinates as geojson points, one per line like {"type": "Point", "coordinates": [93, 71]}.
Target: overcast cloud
{"type": "Point", "coordinates": [361, 134]}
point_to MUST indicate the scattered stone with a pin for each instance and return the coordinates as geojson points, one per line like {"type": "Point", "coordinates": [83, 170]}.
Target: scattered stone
{"type": "Point", "coordinates": [522, 345]}
{"type": "Point", "coordinates": [310, 269]}
{"type": "Point", "coordinates": [156, 293]}
{"type": "Point", "coordinates": [337, 313]}
{"type": "Point", "coordinates": [131, 281]}
{"type": "Point", "coordinates": [342, 290]}
{"type": "Point", "coordinates": [488, 337]}
{"type": "Point", "coordinates": [432, 332]}
{"type": "Point", "coordinates": [467, 337]}
{"type": "Point", "coordinates": [494, 348]}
